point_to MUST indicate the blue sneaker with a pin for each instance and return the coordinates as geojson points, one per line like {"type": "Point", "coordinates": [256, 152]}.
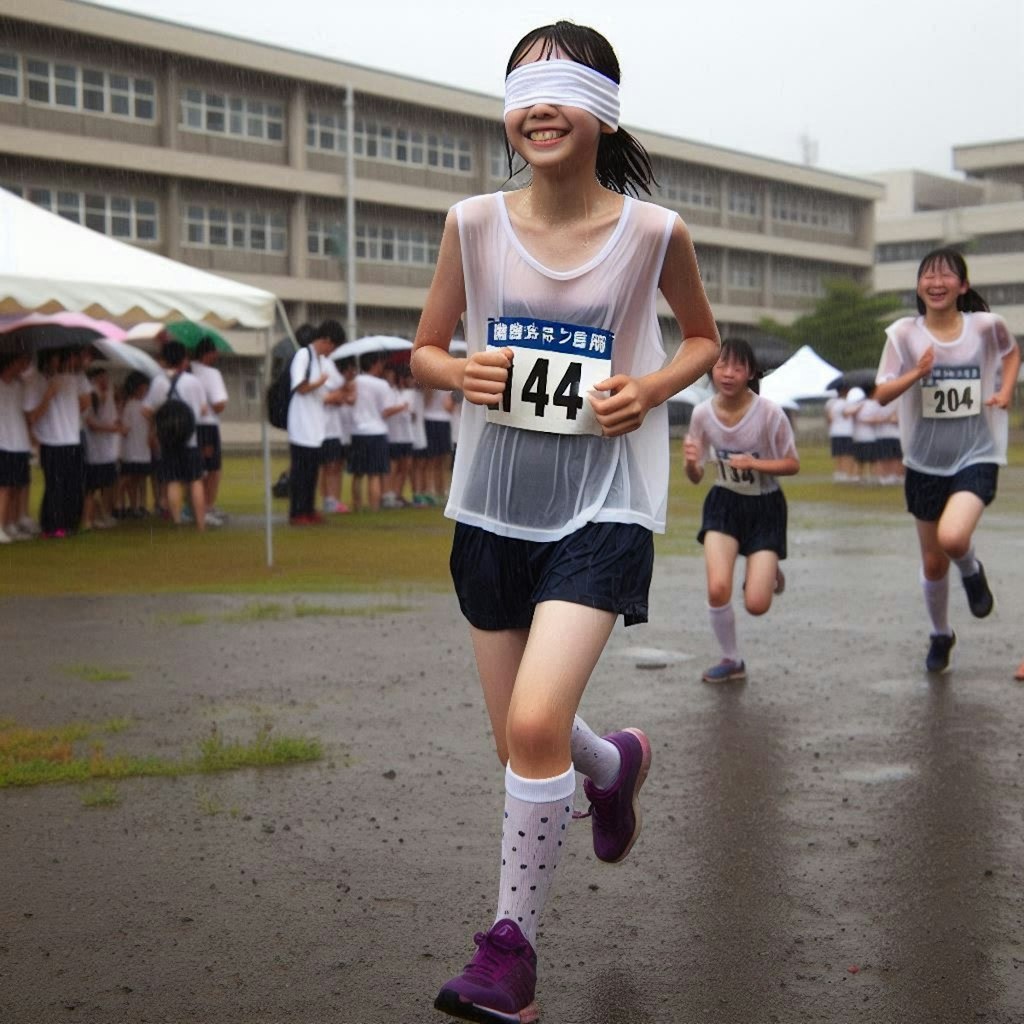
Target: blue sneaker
{"type": "Point", "coordinates": [726, 671]}
{"type": "Point", "coordinates": [979, 596]}
{"type": "Point", "coordinates": [940, 650]}
{"type": "Point", "coordinates": [497, 986]}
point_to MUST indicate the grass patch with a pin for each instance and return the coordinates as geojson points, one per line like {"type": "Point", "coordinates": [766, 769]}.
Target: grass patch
{"type": "Point", "coordinates": [399, 552]}
{"type": "Point", "coordinates": [32, 757]}
{"type": "Point", "coordinates": [98, 674]}
{"type": "Point", "coordinates": [260, 611]}
{"type": "Point", "coordinates": [101, 796]}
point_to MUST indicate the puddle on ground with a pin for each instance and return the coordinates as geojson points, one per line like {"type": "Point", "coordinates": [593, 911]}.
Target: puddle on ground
{"type": "Point", "coordinates": [652, 657]}
{"type": "Point", "coordinates": [874, 774]}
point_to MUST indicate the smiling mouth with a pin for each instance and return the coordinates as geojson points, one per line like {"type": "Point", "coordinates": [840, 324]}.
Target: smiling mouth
{"type": "Point", "coordinates": [547, 135]}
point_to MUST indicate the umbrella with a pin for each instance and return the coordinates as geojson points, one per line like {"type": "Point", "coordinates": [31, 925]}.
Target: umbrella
{"type": "Point", "coordinates": [862, 378]}
{"type": "Point", "coordinates": [36, 331]}
{"type": "Point", "coordinates": [188, 332]}
{"type": "Point", "coordinates": [127, 355]}
{"type": "Point", "coordinates": [371, 343]}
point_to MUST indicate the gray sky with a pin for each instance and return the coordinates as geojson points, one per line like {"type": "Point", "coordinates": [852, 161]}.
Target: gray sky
{"type": "Point", "coordinates": [878, 84]}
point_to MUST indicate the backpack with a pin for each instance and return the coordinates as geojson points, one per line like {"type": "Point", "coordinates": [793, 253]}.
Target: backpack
{"type": "Point", "coordinates": [175, 421]}
{"type": "Point", "coordinates": [279, 394]}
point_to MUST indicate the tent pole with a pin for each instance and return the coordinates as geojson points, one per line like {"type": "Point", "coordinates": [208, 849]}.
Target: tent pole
{"type": "Point", "coordinates": [350, 211]}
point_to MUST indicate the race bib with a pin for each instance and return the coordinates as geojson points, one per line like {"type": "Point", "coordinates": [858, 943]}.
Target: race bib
{"type": "Point", "coordinates": [951, 392]}
{"type": "Point", "coordinates": [554, 366]}
{"type": "Point", "coordinates": [742, 481]}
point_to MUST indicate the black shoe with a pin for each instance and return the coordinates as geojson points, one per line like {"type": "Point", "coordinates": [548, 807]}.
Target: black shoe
{"type": "Point", "coordinates": [979, 597]}
{"type": "Point", "coordinates": [939, 651]}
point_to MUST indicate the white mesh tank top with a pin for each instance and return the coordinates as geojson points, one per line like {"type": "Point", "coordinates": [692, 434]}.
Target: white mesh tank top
{"type": "Point", "coordinates": [543, 486]}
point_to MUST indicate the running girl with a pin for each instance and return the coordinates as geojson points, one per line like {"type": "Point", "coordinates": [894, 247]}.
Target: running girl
{"type": "Point", "coordinates": [561, 471]}
{"type": "Point", "coordinates": [748, 441]}
{"type": "Point", "coordinates": [943, 366]}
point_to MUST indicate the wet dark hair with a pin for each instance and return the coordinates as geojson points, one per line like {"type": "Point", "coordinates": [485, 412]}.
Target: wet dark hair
{"type": "Point", "coordinates": [305, 334]}
{"type": "Point", "coordinates": [331, 331]}
{"type": "Point", "coordinates": [133, 381]}
{"type": "Point", "coordinates": [740, 350]}
{"type": "Point", "coordinates": [622, 163]}
{"type": "Point", "coordinates": [970, 301]}
{"type": "Point", "coordinates": [370, 359]}
{"type": "Point", "coordinates": [173, 354]}
{"type": "Point", "coordinates": [205, 346]}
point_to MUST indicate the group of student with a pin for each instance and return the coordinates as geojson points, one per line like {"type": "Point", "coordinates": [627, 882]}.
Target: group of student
{"type": "Point", "coordinates": [97, 446]}
{"type": "Point", "coordinates": [365, 416]}
{"type": "Point", "coordinates": [864, 437]}
{"type": "Point", "coordinates": [560, 478]}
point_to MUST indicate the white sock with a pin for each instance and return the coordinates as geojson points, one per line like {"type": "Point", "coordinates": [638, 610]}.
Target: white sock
{"type": "Point", "coordinates": [723, 625]}
{"type": "Point", "coordinates": [537, 816]}
{"type": "Point", "coordinates": [968, 565]}
{"type": "Point", "coordinates": [936, 601]}
{"type": "Point", "coordinates": [593, 756]}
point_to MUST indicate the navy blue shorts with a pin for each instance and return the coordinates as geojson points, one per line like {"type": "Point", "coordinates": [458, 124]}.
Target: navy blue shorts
{"type": "Point", "coordinates": [208, 439]}
{"type": "Point", "coordinates": [136, 468]}
{"type": "Point", "coordinates": [14, 471]}
{"type": "Point", "coordinates": [369, 455]}
{"type": "Point", "coordinates": [500, 580]}
{"type": "Point", "coordinates": [331, 451]}
{"type": "Point", "coordinates": [927, 493]}
{"type": "Point", "coordinates": [841, 446]}
{"type": "Point", "coordinates": [865, 451]}
{"type": "Point", "coordinates": [179, 465]}
{"type": "Point", "coordinates": [757, 521]}
{"type": "Point", "coordinates": [889, 448]}
{"type": "Point", "coordinates": [99, 475]}
{"type": "Point", "coordinates": [400, 449]}
{"type": "Point", "coordinates": [439, 437]}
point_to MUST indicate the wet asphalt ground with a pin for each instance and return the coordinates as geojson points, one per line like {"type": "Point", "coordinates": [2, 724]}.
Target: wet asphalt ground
{"type": "Point", "coordinates": [839, 839]}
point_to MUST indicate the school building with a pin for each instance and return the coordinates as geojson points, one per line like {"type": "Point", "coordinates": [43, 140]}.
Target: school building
{"type": "Point", "coordinates": [981, 215]}
{"type": "Point", "coordinates": [323, 181]}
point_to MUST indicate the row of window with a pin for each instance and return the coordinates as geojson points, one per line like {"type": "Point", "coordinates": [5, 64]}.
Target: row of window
{"type": "Point", "coordinates": [131, 218]}
{"type": "Point", "coordinates": [76, 87]}
{"type": "Point", "coordinates": [378, 140]}
{"type": "Point", "coordinates": [747, 272]}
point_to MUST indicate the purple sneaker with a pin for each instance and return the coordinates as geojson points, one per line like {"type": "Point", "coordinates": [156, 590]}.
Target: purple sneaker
{"type": "Point", "coordinates": [497, 985]}
{"type": "Point", "coordinates": [615, 811]}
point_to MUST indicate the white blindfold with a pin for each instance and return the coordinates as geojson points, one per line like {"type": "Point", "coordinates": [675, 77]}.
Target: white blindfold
{"type": "Point", "coordinates": [563, 83]}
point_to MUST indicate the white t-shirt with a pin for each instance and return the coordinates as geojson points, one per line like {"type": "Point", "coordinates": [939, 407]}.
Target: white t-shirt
{"type": "Point", "coordinates": [307, 420]}
{"type": "Point", "coordinates": [530, 483]}
{"type": "Point", "coordinates": [332, 413]}
{"type": "Point", "coordinates": [399, 426]}
{"type": "Point", "coordinates": [13, 428]}
{"type": "Point", "coordinates": [419, 431]}
{"type": "Point", "coordinates": [213, 386]}
{"type": "Point", "coordinates": [865, 423]}
{"type": "Point", "coordinates": [135, 444]}
{"type": "Point", "coordinates": [61, 423]}
{"type": "Point", "coordinates": [764, 432]}
{"type": "Point", "coordinates": [435, 406]}
{"type": "Point", "coordinates": [188, 390]}
{"type": "Point", "coordinates": [101, 446]}
{"type": "Point", "coordinates": [373, 396]}
{"type": "Point", "coordinates": [944, 422]}
{"type": "Point", "coordinates": [838, 424]}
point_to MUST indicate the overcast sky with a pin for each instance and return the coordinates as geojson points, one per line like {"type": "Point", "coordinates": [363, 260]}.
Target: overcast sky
{"type": "Point", "coordinates": [876, 84]}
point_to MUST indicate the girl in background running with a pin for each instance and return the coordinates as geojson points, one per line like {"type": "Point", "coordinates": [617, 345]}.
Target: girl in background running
{"type": "Point", "coordinates": [953, 368]}
{"type": "Point", "coordinates": [749, 443]}
{"type": "Point", "coordinates": [561, 472]}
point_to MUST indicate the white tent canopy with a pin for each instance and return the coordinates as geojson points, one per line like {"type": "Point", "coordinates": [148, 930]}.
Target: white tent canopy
{"type": "Point", "coordinates": [47, 261]}
{"type": "Point", "coordinates": [804, 375]}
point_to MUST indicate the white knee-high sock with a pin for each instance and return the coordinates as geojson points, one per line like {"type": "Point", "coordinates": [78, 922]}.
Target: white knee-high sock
{"type": "Point", "coordinates": [723, 625]}
{"type": "Point", "coordinates": [936, 601]}
{"type": "Point", "coordinates": [968, 565]}
{"type": "Point", "coordinates": [593, 756]}
{"type": "Point", "coordinates": [537, 816]}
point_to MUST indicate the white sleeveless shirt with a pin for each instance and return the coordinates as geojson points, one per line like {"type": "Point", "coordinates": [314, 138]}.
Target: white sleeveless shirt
{"type": "Point", "coordinates": [540, 486]}
{"type": "Point", "coordinates": [944, 422]}
{"type": "Point", "coordinates": [764, 432]}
